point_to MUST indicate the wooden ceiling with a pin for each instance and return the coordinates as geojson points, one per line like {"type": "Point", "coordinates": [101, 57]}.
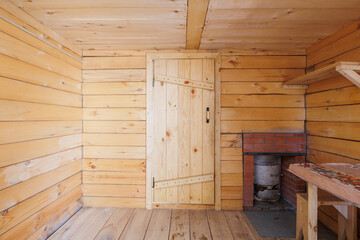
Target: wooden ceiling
{"type": "Point", "coordinates": [204, 24]}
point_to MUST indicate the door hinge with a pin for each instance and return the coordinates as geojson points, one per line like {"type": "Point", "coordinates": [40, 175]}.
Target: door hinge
{"type": "Point", "coordinates": [153, 182]}
{"type": "Point", "coordinates": [207, 115]}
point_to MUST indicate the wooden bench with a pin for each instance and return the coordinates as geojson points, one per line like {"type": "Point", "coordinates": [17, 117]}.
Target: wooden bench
{"type": "Point", "coordinates": [347, 229]}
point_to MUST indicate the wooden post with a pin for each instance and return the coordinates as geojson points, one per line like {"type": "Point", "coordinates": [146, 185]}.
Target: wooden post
{"type": "Point", "coordinates": [312, 212]}
{"type": "Point", "coordinates": [347, 227]}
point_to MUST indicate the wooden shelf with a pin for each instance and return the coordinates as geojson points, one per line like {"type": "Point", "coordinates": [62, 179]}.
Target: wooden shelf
{"type": "Point", "coordinates": [347, 69]}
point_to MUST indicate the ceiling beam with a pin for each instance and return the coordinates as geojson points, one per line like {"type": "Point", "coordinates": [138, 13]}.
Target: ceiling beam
{"type": "Point", "coordinates": [196, 16]}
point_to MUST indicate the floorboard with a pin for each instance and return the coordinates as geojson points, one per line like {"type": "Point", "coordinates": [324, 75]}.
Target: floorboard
{"type": "Point", "coordinates": [238, 226]}
{"type": "Point", "coordinates": [115, 224]}
{"type": "Point", "coordinates": [180, 225]}
{"type": "Point", "coordinates": [218, 225]}
{"type": "Point", "coordinates": [137, 225]}
{"type": "Point", "coordinates": [157, 224]}
{"type": "Point", "coordinates": [199, 226]}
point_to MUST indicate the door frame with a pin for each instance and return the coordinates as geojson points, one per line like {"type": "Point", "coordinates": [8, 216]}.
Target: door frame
{"type": "Point", "coordinates": [150, 58]}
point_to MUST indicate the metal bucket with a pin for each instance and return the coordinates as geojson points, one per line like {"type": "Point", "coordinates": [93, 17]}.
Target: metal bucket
{"type": "Point", "coordinates": [267, 170]}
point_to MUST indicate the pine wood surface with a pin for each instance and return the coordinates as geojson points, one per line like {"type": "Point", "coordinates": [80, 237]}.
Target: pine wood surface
{"type": "Point", "coordinates": [40, 128]}
{"type": "Point", "coordinates": [127, 223]}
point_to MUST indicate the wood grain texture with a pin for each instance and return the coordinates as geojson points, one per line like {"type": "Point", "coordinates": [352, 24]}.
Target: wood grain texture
{"type": "Point", "coordinates": [333, 106]}
{"type": "Point", "coordinates": [40, 129]}
{"type": "Point", "coordinates": [162, 224]}
{"type": "Point", "coordinates": [196, 15]}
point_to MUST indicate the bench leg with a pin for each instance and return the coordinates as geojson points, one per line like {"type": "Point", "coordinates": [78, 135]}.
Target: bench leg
{"type": "Point", "coordinates": [312, 212]}
{"type": "Point", "coordinates": [347, 227]}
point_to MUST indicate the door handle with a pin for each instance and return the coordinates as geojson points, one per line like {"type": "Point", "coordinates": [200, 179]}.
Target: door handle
{"type": "Point", "coordinates": [207, 115]}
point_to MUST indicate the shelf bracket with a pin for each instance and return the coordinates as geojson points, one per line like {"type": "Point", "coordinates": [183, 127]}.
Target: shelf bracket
{"type": "Point", "coordinates": [353, 76]}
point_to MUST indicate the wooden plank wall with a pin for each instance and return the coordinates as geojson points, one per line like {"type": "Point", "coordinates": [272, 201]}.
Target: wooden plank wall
{"type": "Point", "coordinates": [40, 132]}
{"type": "Point", "coordinates": [114, 128]}
{"type": "Point", "coordinates": [333, 107]}
{"type": "Point", "coordinates": [252, 100]}
{"type": "Point", "coordinates": [114, 119]}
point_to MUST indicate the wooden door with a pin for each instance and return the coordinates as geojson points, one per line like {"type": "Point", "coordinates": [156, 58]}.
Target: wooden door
{"type": "Point", "coordinates": [183, 142]}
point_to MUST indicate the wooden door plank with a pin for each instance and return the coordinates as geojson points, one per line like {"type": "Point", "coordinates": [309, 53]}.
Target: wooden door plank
{"type": "Point", "coordinates": [218, 225]}
{"type": "Point", "coordinates": [159, 154]}
{"type": "Point", "coordinates": [93, 224]}
{"type": "Point", "coordinates": [137, 225]}
{"type": "Point", "coordinates": [73, 224]}
{"type": "Point", "coordinates": [238, 226]}
{"type": "Point", "coordinates": [115, 225]}
{"type": "Point", "coordinates": [208, 131]}
{"type": "Point", "coordinates": [196, 131]}
{"type": "Point", "coordinates": [184, 134]}
{"type": "Point", "coordinates": [172, 133]}
{"type": "Point", "coordinates": [199, 227]}
{"type": "Point", "coordinates": [159, 225]}
{"type": "Point", "coordinates": [179, 228]}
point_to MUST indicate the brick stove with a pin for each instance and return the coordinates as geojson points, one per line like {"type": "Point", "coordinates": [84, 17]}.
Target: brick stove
{"type": "Point", "coordinates": [292, 149]}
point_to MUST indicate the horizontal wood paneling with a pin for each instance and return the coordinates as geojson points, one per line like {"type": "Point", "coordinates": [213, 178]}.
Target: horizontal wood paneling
{"type": "Point", "coordinates": [114, 152]}
{"type": "Point", "coordinates": [232, 192]}
{"type": "Point", "coordinates": [281, 101]}
{"type": "Point", "coordinates": [36, 148]}
{"type": "Point", "coordinates": [125, 165]}
{"type": "Point", "coordinates": [259, 75]}
{"type": "Point", "coordinates": [40, 129]}
{"type": "Point", "coordinates": [114, 177]}
{"type": "Point", "coordinates": [341, 96]}
{"type": "Point", "coordinates": [23, 51]}
{"type": "Point", "coordinates": [30, 130]}
{"type": "Point", "coordinates": [263, 62]}
{"type": "Point", "coordinates": [337, 146]}
{"type": "Point", "coordinates": [12, 195]}
{"type": "Point", "coordinates": [257, 88]}
{"type": "Point", "coordinates": [22, 111]}
{"type": "Point", "coordinates": [350, 131]}
{"type": "Point", "coordinates": [113, 62]}
{"type": "Point", "coordinates": [333, 107]}
{"type": "Point", "coordinates": [113, 139]}
{"type": "Point", "coordinates": [114, 75]}
{"type": "Point", "coordinates": [114, 129]}
{"type": "Point", "coordinates": [25, 209]}
{"type": "Point", "coordinates": [115, 101]}
{"type": "Point", "coordinates": [13, 174]}
{"type": "Point", "coordinates": [110, 190]}
{"type": "Point", "coordinates": [113, 113]}
{"type": "Point", "coordinates": [262, 126]}
{"type": "Point", "coordinates": [114, 88]}
{"type": "Point", "coordinates": [253, 100]}
{"type": "Point", "coordinates": [14, 90]}
{"type": "Point", "coordinates": [118, 202]}
{"type": "Point", "coordinates": [253, 114]}
{"type": "Point", "coordinates": [15, 69]}
{"type": "Point", "coordinates": [42, 217]}
{"type": "Point", "coordinates": [346, 113]}
{"type": "Point", "coordinates": [114, 126]}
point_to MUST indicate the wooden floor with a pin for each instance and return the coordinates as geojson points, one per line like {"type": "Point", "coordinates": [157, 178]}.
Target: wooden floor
{"type": "Point", "coordinates": [158, 224]}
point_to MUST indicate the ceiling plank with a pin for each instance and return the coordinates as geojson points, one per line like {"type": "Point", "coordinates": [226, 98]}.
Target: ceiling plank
{"type": "Point", "coordinates": [196, 15]}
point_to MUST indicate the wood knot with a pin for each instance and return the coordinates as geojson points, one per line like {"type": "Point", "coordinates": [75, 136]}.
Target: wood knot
{"type": "Point", "coordinates": [195, 150]}
{"type": "Point", "coordinates": [193, 91]}
{"type": "Point", "coordinates": [167, 133]}
{"type": "Point", "coordinates": [186, 82]}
